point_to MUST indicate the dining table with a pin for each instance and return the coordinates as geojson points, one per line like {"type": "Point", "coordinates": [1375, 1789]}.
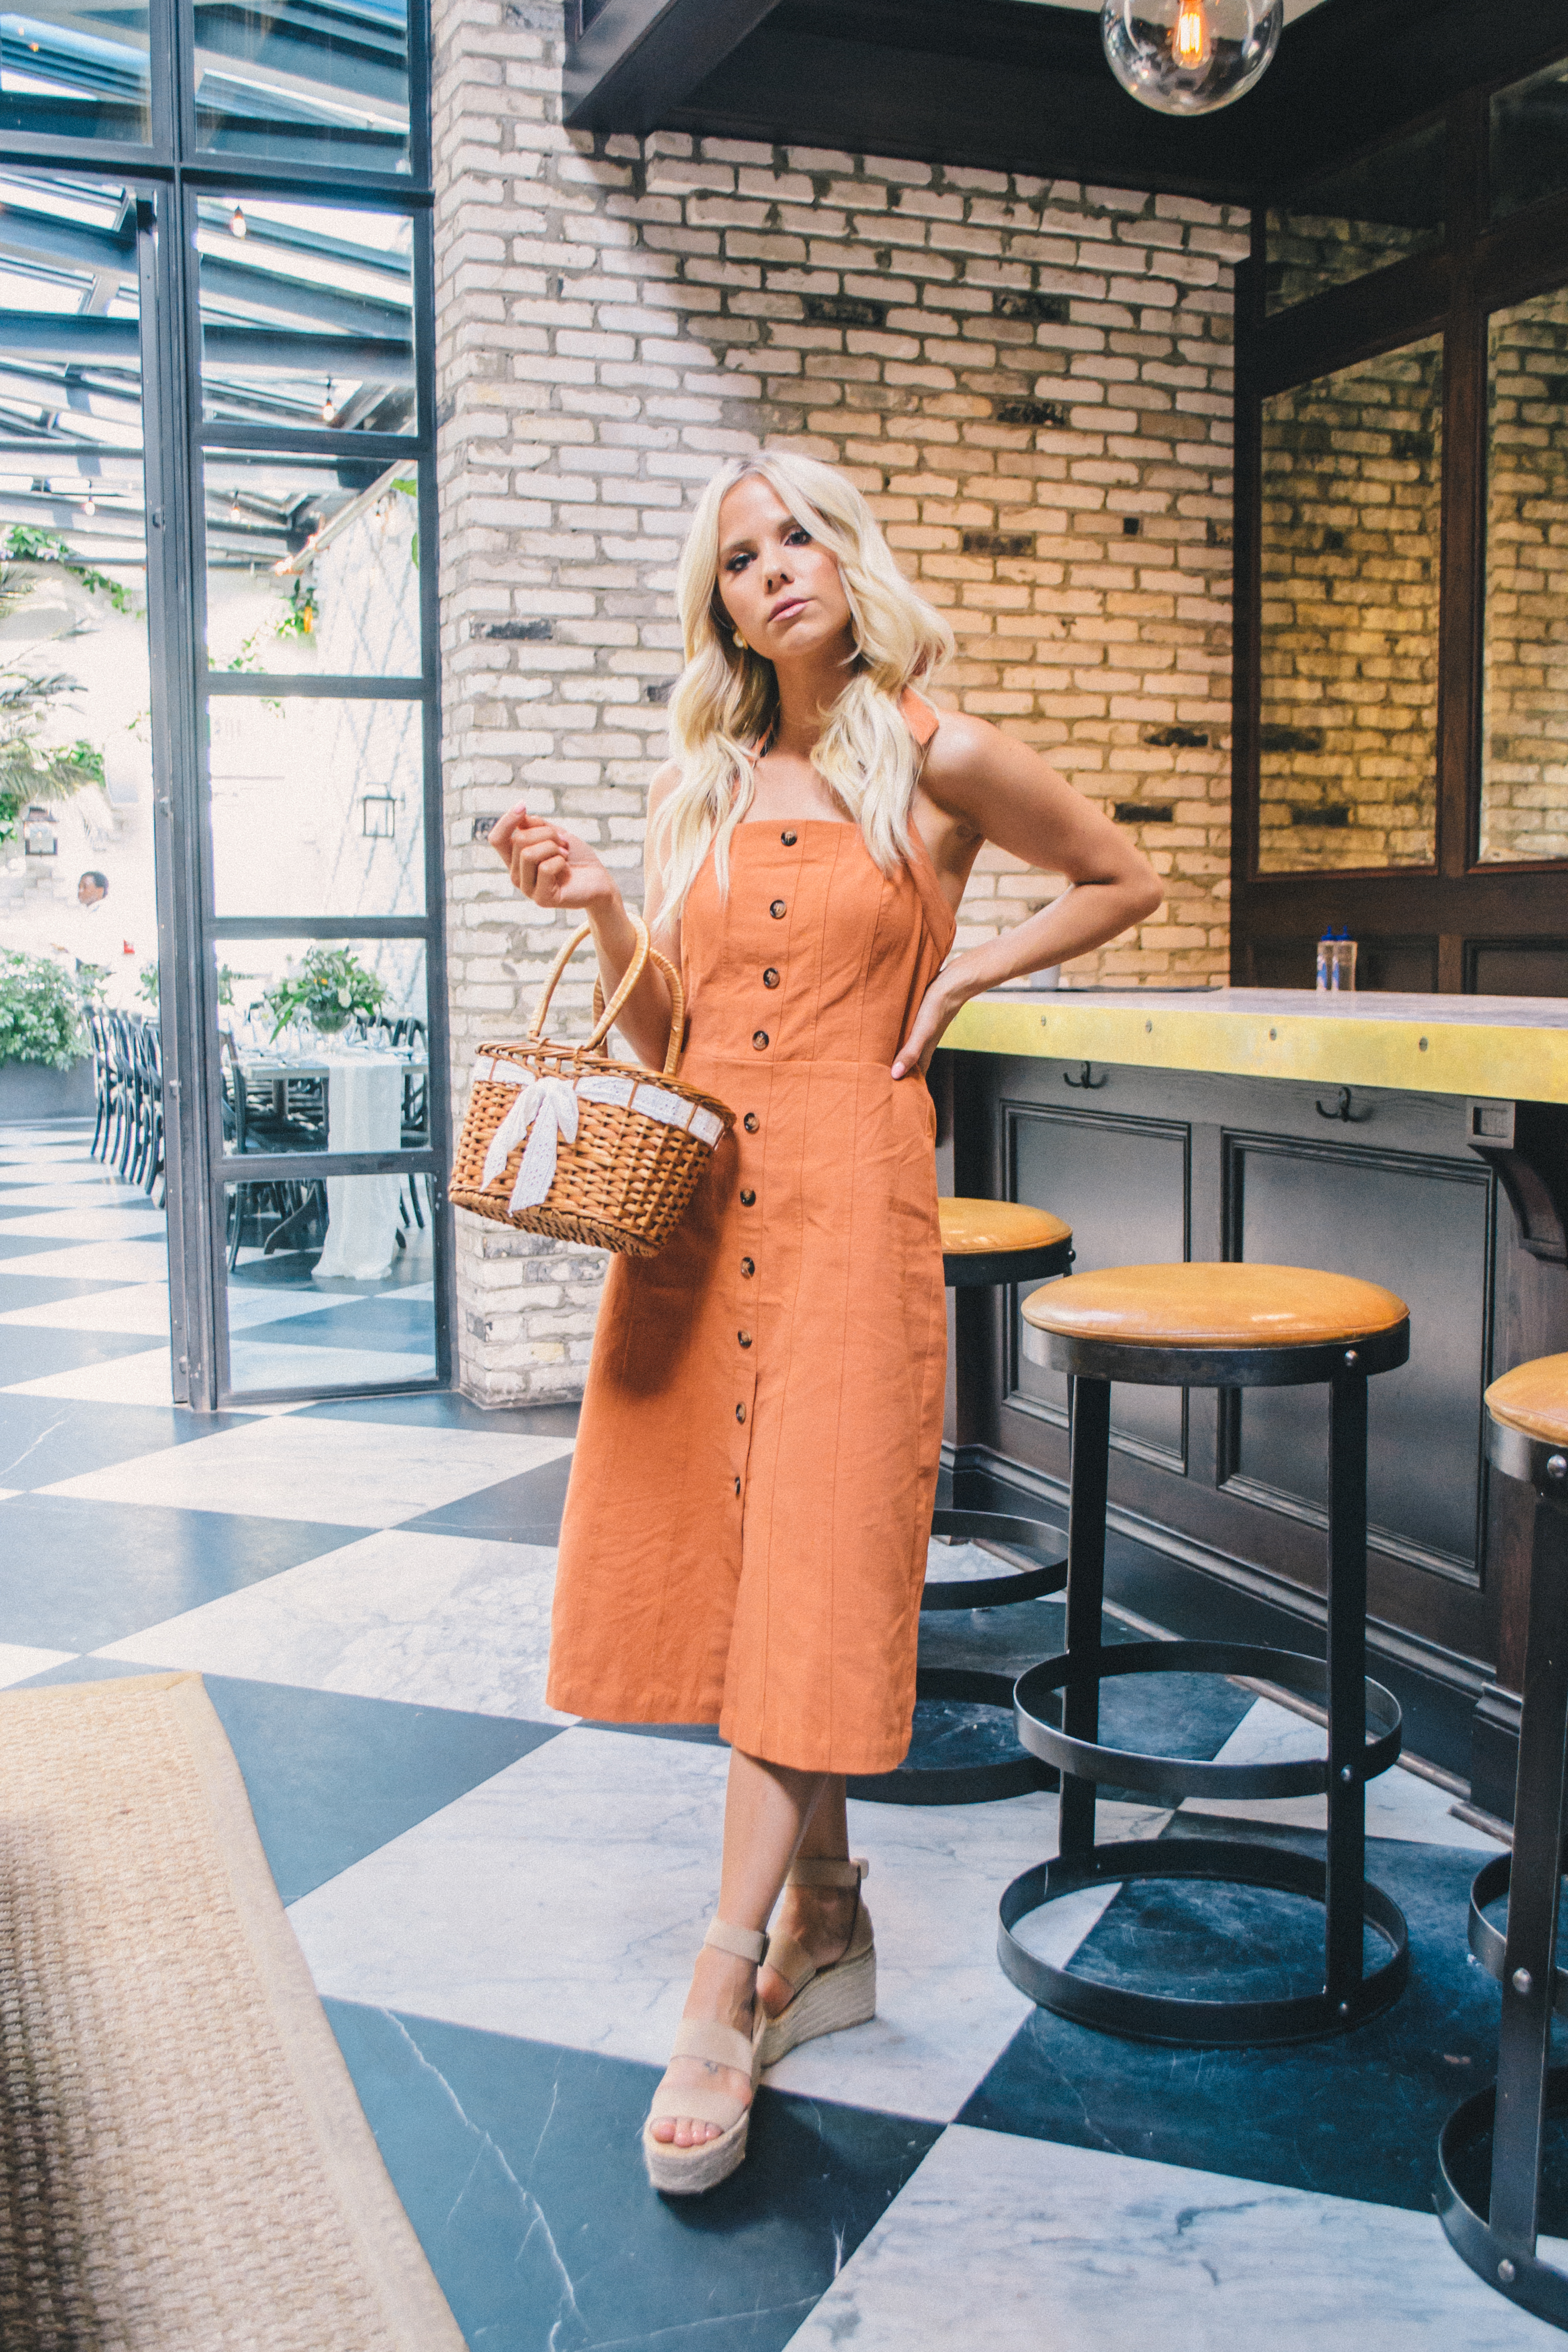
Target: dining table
{"type": "Point", "coordinates": [364, 1087]}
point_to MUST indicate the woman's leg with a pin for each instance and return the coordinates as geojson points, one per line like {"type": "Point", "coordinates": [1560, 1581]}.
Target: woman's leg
{"type": "Point", "coordinates": [766, 1808]}
{"type": "Point", "coordinates": [820, 1919]}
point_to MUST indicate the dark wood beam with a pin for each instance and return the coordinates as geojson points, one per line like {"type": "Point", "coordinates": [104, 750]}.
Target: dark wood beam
{"type": "Point", "coordinates": [633, 62]}
{"type": "Point", "coordinates": [1010, 86]}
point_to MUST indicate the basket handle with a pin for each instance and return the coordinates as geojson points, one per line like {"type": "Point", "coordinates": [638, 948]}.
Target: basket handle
{"type": "Point", "coordinates": [604, 1014]}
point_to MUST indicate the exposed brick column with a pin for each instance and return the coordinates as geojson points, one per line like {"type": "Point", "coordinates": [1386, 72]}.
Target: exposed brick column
{"type": "Point", "coordinates": [1030, 380]}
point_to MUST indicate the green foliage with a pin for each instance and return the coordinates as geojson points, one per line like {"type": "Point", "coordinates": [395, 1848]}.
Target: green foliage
{"type": "Point", "coordinates": [40, 1011]}
{"type": "Point", "coordinates": [23, 544]}
{"type": "Point", "coordinates": [147, 983]}
{"type": "Point", "coordinates": [31, 771]}
{"type": "Point", "coordinates": [299, 620]}
{"type": "Point", "coordinates": [326, 987]}
{"type": "Point", "coordinates": [409, 485]}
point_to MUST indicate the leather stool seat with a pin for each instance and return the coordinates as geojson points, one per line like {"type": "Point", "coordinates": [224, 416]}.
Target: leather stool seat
{"type": "Point", "coordinates": [1149, 1323]}
{"type": "Point", "coordinates": [984, 1242]}
{"type": "Point", "coordinates": [1533, 1400]}
{"type": "Point", "coordinates": [1217, 1307]}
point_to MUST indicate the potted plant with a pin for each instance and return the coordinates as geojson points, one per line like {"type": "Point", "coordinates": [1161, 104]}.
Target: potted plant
{"type": "Point", "coordinates": [44, 1072]}
{"type": "Point", "coordinates": [327, 988]}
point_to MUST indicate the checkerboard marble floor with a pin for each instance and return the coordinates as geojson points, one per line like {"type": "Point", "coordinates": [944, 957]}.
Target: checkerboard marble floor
{"type": "Point", "coordinates": [499, 1904]}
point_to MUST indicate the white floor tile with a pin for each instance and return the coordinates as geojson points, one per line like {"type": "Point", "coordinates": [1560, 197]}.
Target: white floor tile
{"type": "Point", "coordinates": [566, 1898]}
{"type": "Point", "coordinates": [136, 1308]}
{"type": "Point", "coordinates": [347, 1473]}
{"type": "Point", "coordinates": [254, 1365]}
{"type": "Point", "coordinates": [75, 1194]}
{"type": "Point", "coordinates": [129, 1379]}
{"type": "Point", "coordinates": [105, 1261]}
{"type": "Point", "coordinates": [1025, 2247]}
{"type": "Point", "coordinates": [439, 1620]}
{"type": "Point", "coordinates": [18, 1662]}
{"type": "Point", "coordinates": [87, 1223]}
{"type": "Point", "coordinates": [1399, 1804]}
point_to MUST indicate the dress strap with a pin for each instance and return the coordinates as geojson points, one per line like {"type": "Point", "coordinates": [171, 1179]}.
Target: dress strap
{"type": "Point", "coordinates": [919, 716]}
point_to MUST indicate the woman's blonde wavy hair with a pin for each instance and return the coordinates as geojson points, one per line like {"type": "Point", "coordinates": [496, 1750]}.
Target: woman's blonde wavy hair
{"type": "Point", "coordinates": [726, 699]}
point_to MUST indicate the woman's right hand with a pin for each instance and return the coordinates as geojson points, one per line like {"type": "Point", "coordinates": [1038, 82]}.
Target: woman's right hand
{"type": "Point", "coordinates": [550, 866]}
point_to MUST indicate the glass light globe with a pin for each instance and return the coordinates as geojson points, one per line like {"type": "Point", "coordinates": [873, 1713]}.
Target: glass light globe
{"type": "Point", "coordinates": [1189, 57]}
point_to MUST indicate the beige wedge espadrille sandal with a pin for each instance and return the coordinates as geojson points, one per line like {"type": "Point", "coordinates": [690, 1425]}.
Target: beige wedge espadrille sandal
{"type": "Point", "coordinates": [688, 2171]}
{"type": "Point", "coordinates": [822, 2000]}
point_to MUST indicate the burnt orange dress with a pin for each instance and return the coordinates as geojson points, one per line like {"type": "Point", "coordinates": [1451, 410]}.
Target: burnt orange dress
{"type": "Point", "coordinates": [744, 1536]}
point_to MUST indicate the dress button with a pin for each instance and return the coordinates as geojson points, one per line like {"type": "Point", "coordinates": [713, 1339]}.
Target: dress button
{"type": "Point", "coordinates": [788, 839]}
{"type": "Point", "coordinates": [748, 1266]}
{"type": "Point", "coordinates": [751, 1122]}
{"type": "Point", "coordinates": [770, 978]}
{"type": "Point", "coordinates": [745, 1338]}
{"type": "Point", "coordinates": [777, 910]}
{"type": "Point", "coordinates": [737, 1485]}
{"type": "Point", "coordinates": [740, 1413]}
{"type": "Point", "coordinates": [759, 1038]}
{"type": "Point", "coordinates": [748, 1199]}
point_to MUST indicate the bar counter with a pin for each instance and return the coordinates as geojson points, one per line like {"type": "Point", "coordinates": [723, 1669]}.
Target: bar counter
{"type": "Point", "coordinates": [1418, 1141]}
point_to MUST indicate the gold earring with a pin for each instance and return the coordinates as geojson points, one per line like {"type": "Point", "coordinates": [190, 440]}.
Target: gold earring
{"type": "Point", "coordinates": [740, 641]}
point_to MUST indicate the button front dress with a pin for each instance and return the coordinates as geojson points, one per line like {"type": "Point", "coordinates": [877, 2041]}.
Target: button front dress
{"type": "Point", "coordinates": [744, 1536]}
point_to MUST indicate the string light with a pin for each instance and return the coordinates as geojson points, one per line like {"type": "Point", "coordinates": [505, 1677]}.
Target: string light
{"type": "Point", "coordinates": [239, 225]}
{"type": "Point", "coordinates": [89, 504]}
{"type": "Point", "coordinates": [328, 409]}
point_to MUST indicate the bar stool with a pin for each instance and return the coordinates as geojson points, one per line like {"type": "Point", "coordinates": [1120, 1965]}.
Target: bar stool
{"type": "Point", "coordinates": [984, 1242]}
{"type": "Point", "coordinates": [1527, 1440]}
{"type": "Point", "coordinates": [1229, 1326]}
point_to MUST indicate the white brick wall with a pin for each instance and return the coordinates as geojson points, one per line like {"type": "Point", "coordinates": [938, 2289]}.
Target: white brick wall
{"type": "Point", "coordinates": [1016, 372]}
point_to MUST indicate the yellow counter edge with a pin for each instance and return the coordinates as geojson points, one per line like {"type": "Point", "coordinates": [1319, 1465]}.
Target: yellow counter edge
{"type": "Point", "coordinates": [1529, 1065]}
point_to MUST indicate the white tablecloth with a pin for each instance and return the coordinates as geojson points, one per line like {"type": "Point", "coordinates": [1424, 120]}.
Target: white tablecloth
{"type": "Point", "coordinates": [365, 1113]}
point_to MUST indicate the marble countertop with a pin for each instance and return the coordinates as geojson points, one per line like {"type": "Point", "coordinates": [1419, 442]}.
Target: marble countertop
{"type": "Point", "coordinates": [1501, 1046]}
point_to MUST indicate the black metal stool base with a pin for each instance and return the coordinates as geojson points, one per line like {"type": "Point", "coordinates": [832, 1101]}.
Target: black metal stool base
{"type": "Point", "coordinates": [1156, 2017]}
{"type": "Point", "coordinates": [998, 1591]}
{"type": "Point", "coordinates": [958, 1784]}
{"type": "Point", "coordinates": [1504, 2264]}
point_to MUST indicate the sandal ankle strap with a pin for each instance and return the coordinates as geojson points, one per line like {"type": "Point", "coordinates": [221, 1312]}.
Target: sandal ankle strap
{"type": "Point", "coordinates": [826, 1872]}
{"type": "Point", "coordinates": [741, 1943]}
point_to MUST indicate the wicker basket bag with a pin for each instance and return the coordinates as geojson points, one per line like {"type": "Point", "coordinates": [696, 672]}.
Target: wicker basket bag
{"type": "Point", "coordinates": [561, 1139]}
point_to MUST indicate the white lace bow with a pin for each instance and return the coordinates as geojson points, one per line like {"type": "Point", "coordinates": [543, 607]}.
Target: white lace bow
{"type": "Point", "coordinates": [544, 1110]}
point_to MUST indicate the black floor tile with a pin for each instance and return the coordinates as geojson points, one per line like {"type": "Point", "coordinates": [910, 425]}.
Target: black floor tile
{"type": "Point", "coordinates": [391, 1326]}
{"type": "Point", "coordinates": [524, 1509]}
{"type": "Point", "coordinates": [332, 1778]}
{"type": "Point", "coordinates": [42, 1439]}
{"type": "Point", "coordinates": [521, 2168]}
{"type": "Point", "coordinates": [1198, 1607]}
{"type": "Point", "coordinates": [75, 1575]}
{"type": "Point", "coordinates": [1354, 2115]}
{"type": "Point", "coordinates": [30, 1351]}
{"type": "Point", "coordinates": [447, 1410]}
{"type": "Point", "coordinates": [44, 1289]}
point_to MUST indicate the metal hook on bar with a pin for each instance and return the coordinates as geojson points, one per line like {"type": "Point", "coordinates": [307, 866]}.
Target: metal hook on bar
{"type": "Point", "coordinates": [1341, 1110]}
{"type": "Point", "coordinates": [1092, 1084]}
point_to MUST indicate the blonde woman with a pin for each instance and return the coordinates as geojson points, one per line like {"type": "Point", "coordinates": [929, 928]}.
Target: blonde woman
{"type": "Point", "coordinates": [744, 1536]}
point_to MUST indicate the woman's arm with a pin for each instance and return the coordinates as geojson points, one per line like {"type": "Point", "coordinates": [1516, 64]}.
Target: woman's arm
{"type": "Point", "coordinates": [990, 788]}
{"type": "Point", "coordinates": [554, 868]}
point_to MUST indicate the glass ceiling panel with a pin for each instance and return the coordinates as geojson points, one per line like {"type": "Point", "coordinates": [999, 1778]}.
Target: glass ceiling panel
{"type": "Point", "coordinates": [75, 71]}
{"type": "Point", "coordinates": [70, 383]}
{"type": "Point", "coordinates": [307, 315]}
{"type": "Point", "coordinates": [305, 81]}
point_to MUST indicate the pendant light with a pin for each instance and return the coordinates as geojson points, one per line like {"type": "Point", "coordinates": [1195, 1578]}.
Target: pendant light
{"type": "Point", "coordinates": [1189, 57]}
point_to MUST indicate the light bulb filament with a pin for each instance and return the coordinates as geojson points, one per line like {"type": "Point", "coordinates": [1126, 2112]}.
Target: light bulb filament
{"type": "Point", "coordinates": [1191, 43]}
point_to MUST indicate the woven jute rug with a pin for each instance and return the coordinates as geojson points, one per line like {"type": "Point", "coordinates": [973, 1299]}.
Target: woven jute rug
{"type": "Point", "coordinates": [185, 2166]}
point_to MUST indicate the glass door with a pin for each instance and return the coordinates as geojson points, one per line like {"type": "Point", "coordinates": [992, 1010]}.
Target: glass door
{"type": "Point", "coordinates": [318, 748]}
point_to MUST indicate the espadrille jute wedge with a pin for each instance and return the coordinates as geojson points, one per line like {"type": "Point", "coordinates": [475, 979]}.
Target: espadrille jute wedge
{"type": "Point", "coordinates": [824, 2000]}
{"type": "Point", "coordinates": [688, 2171]}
